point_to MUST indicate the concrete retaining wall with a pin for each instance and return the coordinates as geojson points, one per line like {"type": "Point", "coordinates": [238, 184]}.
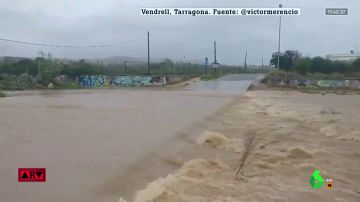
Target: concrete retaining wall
{"type": "Point", "coordinates": [284, 82]}
{"type": "Point", "coordinates": [128, 81]}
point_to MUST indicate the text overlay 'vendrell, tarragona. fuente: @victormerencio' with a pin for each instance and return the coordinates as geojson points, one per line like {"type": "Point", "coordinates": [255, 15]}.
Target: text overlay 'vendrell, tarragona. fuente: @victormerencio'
{"type": "Point", "coordinates": [219, 11]}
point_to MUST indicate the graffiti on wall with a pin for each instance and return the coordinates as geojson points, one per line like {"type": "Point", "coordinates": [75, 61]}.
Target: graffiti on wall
{"type": "Point", "coordinates": [306, 83]}
{"type": "Point", "coordinates": [330, 83]}
{"type": "Point", "coordinates": [353, 83]}
{"type": "Point", "coordinates": [117, 81]}
{"type": "Point", "coordinates": [128, 81]}
{"type": "Point", "coordinates": [92, 81]}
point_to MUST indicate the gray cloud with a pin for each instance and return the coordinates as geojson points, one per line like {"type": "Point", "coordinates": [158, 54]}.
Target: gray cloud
{"type": "Point", "coordinates": [90, 22]}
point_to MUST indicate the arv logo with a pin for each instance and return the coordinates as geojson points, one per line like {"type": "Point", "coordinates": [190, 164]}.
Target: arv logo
{"type": "Point", "coordinates": [32, 175]}
{"type": "Point", "coordinates": [316, 181]}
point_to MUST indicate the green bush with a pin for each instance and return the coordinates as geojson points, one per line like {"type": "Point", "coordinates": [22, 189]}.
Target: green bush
{"type": "Point", "coordinates": [21, 82]}
{"type": "Point", "coordinates": [292, 61]}
{"type": "Point", "coordinates": [304, 65]}
{"type": "Point", "coordinates": [71, 85]}
{"type": "Point", "coordinates": [25, 81]}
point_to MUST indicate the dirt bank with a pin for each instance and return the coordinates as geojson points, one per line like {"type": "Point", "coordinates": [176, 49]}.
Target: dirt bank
{"type": "Point", "coordinates": [183, 83]}
{"type": "Point", "coordinates": [296, 133]}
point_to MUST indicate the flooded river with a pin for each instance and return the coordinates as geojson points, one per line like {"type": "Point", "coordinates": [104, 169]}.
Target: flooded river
{"type": "Point", "coordinates": [85, 137]}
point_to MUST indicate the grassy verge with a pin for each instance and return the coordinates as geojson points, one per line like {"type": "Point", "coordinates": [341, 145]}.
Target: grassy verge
{"type": "Point", "coordinates": [311, 76]}
{"type": "Point", "coordinates": [207, 77]}
{"type": "Point", "coordinates": [28, 82]}
{"type": "Point", "coordinates": [2, 94]}
{"type": "Point", "coordinates": [67, 86]}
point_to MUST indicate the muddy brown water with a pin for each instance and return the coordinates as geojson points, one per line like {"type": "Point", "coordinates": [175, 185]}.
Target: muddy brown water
{"type": "Point", "coordinates": [85, 137]}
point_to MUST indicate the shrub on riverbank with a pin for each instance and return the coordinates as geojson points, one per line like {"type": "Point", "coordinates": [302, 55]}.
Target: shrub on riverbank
{"type": "Point", "coordinates": [70, 85]}
{"type": "Point", "coordinates": [21, 82]}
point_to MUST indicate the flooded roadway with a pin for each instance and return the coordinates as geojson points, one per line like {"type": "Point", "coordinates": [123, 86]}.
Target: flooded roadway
{"type": "Point", "coordinates": [85, 137]}
{"type": "Point", "coordinates": [230, 84]}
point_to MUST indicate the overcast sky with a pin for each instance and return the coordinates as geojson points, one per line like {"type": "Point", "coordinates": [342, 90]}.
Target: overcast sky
{"type": "Point", "coordinates": [92, 22]}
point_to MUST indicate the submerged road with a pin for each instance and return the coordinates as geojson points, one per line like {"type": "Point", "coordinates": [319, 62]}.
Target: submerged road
{"type": "Point", "coordinates": [85, 137]}
{"type": "Point", "coordinates": [232, 84]}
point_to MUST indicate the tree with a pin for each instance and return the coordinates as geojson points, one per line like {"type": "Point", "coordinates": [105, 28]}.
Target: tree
{"type": "Point", "coordinates": [287, 59]}
{"type": "Point", "coordinates": [319, 65]}
{"type": "Point", "coordinates": [48, 68]}
{"type": "Point", "coordinates": [356, 65]}
{"type": "Point", "coordinates": [165, 65]}
{"type": "Point", "coordinates": [304, 65]}
{"type": "Point", "coordinates": [23, 66]}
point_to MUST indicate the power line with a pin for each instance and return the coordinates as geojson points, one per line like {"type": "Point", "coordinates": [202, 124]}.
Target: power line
{"type": "Point", "coordinates": [148, 51]}
{"type": "Point", "coordinates": [69, 46]}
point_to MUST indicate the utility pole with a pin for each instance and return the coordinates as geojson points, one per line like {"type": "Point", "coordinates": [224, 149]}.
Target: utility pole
{"type": "Point", "coordinates": [278, 59]}
{"type": "Point", "coordinates": [245, 61]}
{"type": "Point", "coordinates": [125, 67]}
{"type": "Point", "coordinates": [215, 64]}
{"type": "Point", "coordinates": [215, 61]}
{"type": "Point", "coordinates": [262, 63]}
{"type": "Point", "coordinates": [41, 56]}
{"type": "Point", "coordinates": [148, 44]}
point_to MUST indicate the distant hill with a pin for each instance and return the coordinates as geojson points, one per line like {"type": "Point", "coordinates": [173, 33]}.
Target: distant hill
{"type": "Point", "coordinates": [107, 60]}
{"type": "Point", "coordinates": [132, 60]}
{"type": "Point", "coordinates": [122, 59]}
{"type": "Point", "coordinates": [117, 60]}
{"type": "Point", "coordinates": [10, 59]}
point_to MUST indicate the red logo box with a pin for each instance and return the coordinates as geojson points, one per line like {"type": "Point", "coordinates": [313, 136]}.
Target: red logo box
{"type": "Point", "coordinates": [32, 175]}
